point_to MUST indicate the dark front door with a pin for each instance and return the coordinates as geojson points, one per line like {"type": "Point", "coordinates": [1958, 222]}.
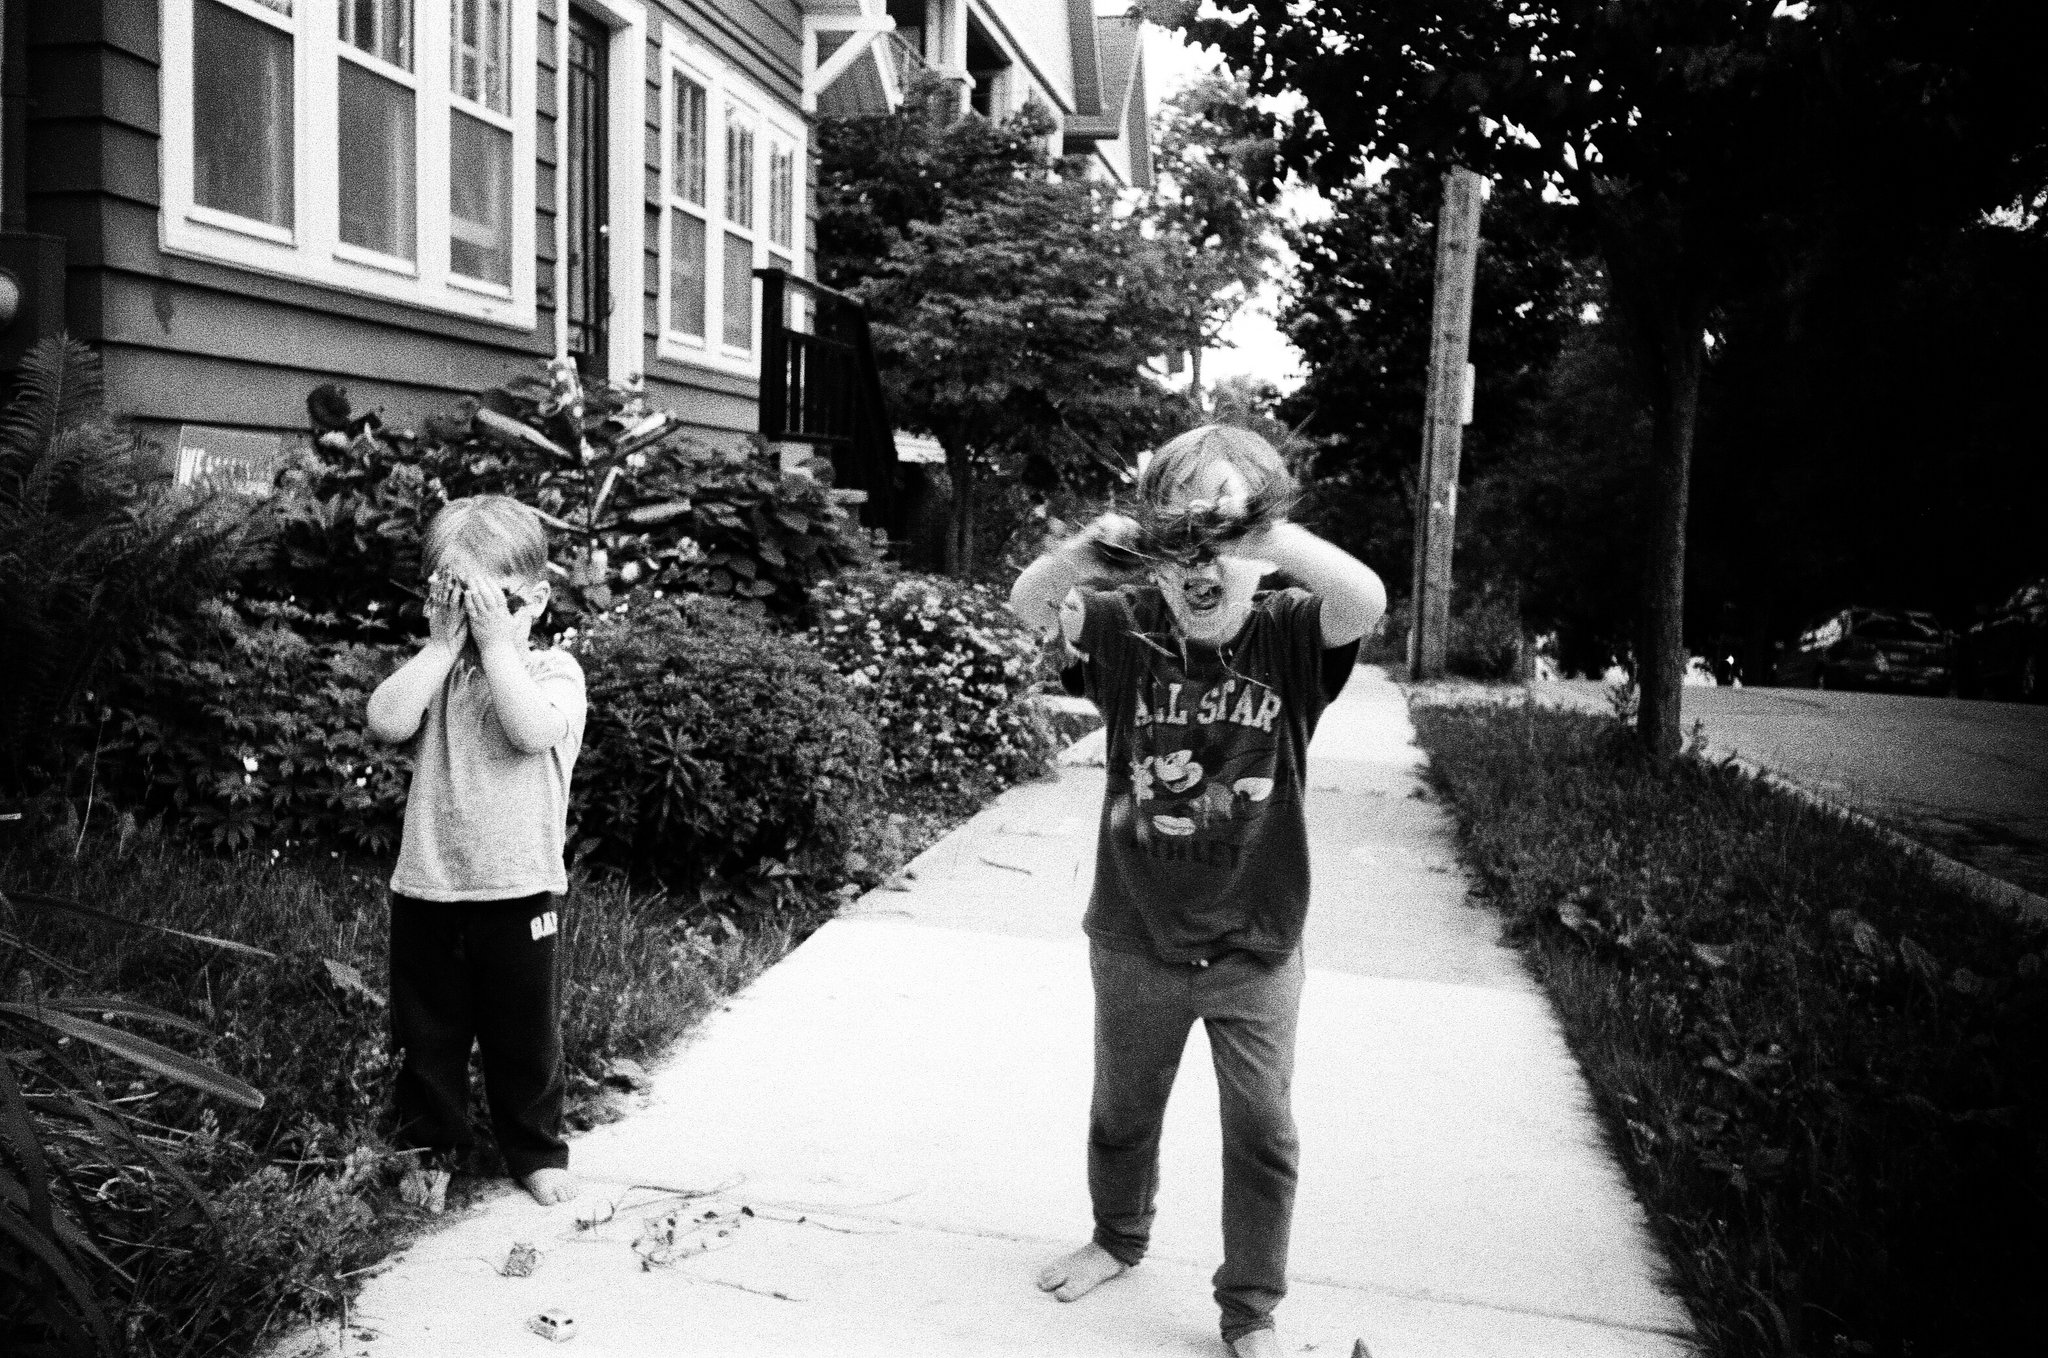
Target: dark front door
{"type": "Point", "coordinates": [590, 294]}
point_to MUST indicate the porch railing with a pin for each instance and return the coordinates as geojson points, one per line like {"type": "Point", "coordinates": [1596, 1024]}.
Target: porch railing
{"type": "Point", "coordinates": [820, 385]}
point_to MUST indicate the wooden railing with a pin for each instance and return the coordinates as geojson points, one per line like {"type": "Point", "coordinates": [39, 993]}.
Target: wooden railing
{"type": "Point", "coordinates": [820, 385]}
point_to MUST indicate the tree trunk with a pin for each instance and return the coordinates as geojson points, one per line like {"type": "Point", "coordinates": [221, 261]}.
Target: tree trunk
{"type": "Point", "coordinates": [1660, 644]}
{"type": "Point", "coordinates": [960, 519]}
{"type": "Point", "coordinates": [1664, 314]}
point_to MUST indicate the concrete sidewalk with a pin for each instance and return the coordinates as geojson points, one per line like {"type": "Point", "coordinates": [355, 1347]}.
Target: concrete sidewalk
{"type": "Point", "coordinates": [902, 1105]}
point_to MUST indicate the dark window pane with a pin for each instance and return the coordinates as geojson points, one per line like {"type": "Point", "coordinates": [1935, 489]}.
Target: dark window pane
{"type": "Point", "coordinates": [480, 199]}
{"type": "Point", "coordinates": [739, 291]}
{"type": "Point", "coordinates": [686, 275]}
{"type": "Point", "coordinates": [241, 115]}
{"type": "Point", "coordinates": [377, 176]}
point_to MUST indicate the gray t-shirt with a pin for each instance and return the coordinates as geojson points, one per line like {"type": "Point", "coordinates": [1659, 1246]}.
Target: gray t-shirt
{"type": "Point", "coordinates": [1203, 845]}
{"type": "Point", "coordinates": [483, 820]}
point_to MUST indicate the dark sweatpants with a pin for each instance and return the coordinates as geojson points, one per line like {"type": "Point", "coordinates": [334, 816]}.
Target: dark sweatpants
{"type": "Point", "coordinates": [1143, 1010]}
{"type": "Point", "coordinates": [482, 973]}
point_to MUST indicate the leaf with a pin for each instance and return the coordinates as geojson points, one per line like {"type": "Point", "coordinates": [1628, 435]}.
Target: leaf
{"type": "Point", "coordinates": [1860, 932]}
{"type": "Point", "coordinates": [149, 1055]}
{"type": "Point", "coordinates": [1921, 961]}
{"type": "Point", "coordinates": [507, 428]}
{"type": "Point", "coordinates": [349, 981]}
{"type": "Point", "coordinates": [1716, 955]}
{"type": "Point", "coordinates": [648, 515]}
{"type": "Point", "coordinates": [109, 1004]}
{"type": "Point", "coordinates": [67, 1231]}
{"type": "Point", "coordinates": [1966, 982]}
{"type": "Point", "coordinates": [38, 901]}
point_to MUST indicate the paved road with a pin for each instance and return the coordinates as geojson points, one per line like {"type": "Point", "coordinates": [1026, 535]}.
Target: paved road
{"type": "Point", "coordinates": [1969, 778]}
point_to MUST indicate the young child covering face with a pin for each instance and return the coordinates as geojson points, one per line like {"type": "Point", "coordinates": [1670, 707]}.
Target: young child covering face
{"type": "Point", "coordinates": [1209, 692]}
{"type": "Point", "coordinates": [494, 727]}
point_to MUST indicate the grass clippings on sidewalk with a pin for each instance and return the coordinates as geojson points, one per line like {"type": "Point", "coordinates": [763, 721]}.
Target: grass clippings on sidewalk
{"type": "Point", "coordinates": [1825, 1072]}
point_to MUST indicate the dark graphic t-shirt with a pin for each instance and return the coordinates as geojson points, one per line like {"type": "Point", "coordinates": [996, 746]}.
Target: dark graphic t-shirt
{"type": "Point", "coordinates": [1203, 847]}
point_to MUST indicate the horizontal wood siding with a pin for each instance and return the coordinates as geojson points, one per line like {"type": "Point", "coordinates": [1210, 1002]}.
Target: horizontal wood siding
{"type": "Point", "coordinates": [764, 39]}
{"type": "Point", "coordinates": [189, 340]}
{"type": "Point", "coordinates": [546, 179]}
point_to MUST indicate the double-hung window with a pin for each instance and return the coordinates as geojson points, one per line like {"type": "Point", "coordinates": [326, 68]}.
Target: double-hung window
{"type": "Point", "coordinates": [384, 147]}
{"type": "Point", "coordinates": [740, 144]}
{"type": "Point", "coordinates": [689, 211]}
{"type": "Point", "coordinates": [377, 129]}
{"type": "Point", "coordinates": [732, 200]}
{"type": "Point", "coordinates": [480, 142]}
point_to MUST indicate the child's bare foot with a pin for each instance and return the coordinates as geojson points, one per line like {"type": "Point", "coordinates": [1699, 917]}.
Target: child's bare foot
{"type": "Point", "coordinates": [1073, 1276]}
{"type": "Point", "coordinates": [1257, 1344]}
{"type": "Point", "coordinates": [551, 1186]}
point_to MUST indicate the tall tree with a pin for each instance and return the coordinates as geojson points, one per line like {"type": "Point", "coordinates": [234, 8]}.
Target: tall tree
{"type": "Point", "coordinates": [1358, 307]}
{"type": "Point", "coordinates": [1212, 207]}
{"type": "Point", "coordinates": [1693, 138]}
{"type": "Point", "coordinates": [877, 174]}
{"type": "Point", "coordinates": [1015, 331]}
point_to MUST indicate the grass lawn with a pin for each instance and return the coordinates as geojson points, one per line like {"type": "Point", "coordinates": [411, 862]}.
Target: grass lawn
{"type": "Point", "coordinates": [1825, 1072]}
{"type": "Point", "coordinates": [305, 1189]}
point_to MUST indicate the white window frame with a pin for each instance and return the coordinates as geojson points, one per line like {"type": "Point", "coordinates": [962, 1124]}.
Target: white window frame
{"type": "Point", "coordinates": [312, 250]}
{"type": "Point", "coordinates": [706, 212]}
{"type": "Point", "coordinates": [410, 80]}
{"type": "Point", "coordinates": [774, 124]}
{"type": "Point", "coordinates": [739, 114]}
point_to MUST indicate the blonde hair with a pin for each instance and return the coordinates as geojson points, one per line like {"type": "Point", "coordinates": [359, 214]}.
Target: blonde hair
{"type": "Point", "coordinates": [496, 531]}
{"type": "Point", "coordinates": [1166, 526]}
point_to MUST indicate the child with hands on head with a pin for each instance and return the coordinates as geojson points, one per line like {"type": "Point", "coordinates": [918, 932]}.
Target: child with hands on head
{"type": "Point", "coordinates": [1209, 690]}
{"type": "Point", "coordinates": [494, 727]}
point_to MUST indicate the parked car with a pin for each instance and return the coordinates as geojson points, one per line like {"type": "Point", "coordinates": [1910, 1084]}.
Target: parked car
{"type": "Point", "coordinates": [1871, 648]}
{"type": "Point", "coordinates": [2007, 652]}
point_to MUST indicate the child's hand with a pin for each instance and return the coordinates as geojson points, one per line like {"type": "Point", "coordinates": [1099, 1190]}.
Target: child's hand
{"type": "Point", "coordinates": [447, 624]}
{"type": "Point", "coordinates": [1111, 540]}
{"type": "Point", "coordinates": [491, 622]}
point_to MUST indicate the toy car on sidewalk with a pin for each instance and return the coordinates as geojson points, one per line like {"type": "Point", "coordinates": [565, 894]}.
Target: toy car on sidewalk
{"type": "Point", "coordinates": [1871, 648]}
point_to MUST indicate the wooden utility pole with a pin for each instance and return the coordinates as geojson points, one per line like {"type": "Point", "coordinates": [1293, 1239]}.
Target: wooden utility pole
{"type": "Point", "coordinates": [1447, 410]}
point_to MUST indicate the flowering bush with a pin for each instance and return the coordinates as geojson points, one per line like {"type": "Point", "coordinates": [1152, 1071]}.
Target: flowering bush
{"type": "Point", "coordinates": [243, 727]}
{"type": "Point", "coordinates": [720, 756]}
{"type": "Point", "coordinates": [945, 670]}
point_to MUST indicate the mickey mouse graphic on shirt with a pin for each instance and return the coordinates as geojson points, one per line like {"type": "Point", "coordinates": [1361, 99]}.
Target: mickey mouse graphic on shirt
{"type": "Point", "coordinates": [1203, 759]}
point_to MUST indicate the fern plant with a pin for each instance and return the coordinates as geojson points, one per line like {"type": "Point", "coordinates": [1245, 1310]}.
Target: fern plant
{"type": "Point", "coordinates": [94, 550]}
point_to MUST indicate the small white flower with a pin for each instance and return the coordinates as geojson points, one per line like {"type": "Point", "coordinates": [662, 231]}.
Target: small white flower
{"type": "Point", "coordinates": [249, 762]}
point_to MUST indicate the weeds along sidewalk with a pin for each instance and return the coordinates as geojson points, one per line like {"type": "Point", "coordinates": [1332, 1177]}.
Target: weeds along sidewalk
{"type": "Point", "coordinates": [1826, 1067]}
{"type": "Point", "coordinates": [878, 1143]}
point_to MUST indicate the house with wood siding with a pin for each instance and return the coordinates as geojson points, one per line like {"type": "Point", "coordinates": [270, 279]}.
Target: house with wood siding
{"type": "Point", "coordinates": [236, 200]}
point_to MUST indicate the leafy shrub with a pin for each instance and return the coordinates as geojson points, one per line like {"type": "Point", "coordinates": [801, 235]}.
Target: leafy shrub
{"type": "Point", "coordinates": [240, 725]}
{"type": "Point", "coordinates": [631, 503]}
{"type": "Point", "coordinates": [91, 554]}
{"type": "Point", "coordinates": [1485, 641]}
{"type": "Point", "coordinates": [718, 754]}
{"type": "Point", "coordinates": [945, 669]}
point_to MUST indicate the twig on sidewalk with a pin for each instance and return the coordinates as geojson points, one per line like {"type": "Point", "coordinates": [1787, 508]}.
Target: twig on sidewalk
{"type": "Point", "coordinates": [742, 1287]}
{"type": "Point", "coordinates": [806, 1221]}
{"type": "Point", "coordinates": [1012, 867]}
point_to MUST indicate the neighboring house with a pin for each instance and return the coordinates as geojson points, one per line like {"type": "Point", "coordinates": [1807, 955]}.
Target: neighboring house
{"type": "Point", "coordinates": [236, 200]}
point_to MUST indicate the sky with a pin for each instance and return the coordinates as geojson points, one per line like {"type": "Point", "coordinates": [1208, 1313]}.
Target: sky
{"type": "Point", "coordinates": [1257, 346]}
